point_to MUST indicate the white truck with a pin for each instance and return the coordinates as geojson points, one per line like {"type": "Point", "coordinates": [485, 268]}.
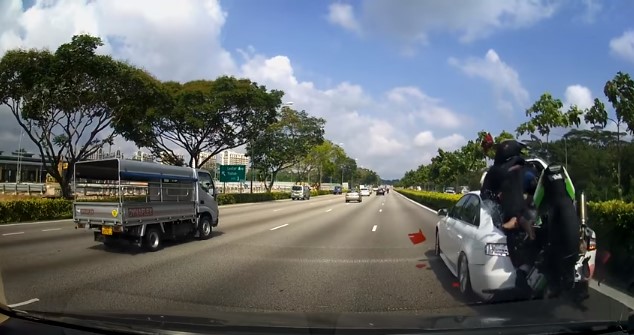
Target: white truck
{"type": "Point", "coordinates": [154, 202]}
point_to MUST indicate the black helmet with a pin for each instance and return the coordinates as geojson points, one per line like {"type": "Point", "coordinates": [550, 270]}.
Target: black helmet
{"type": "Point", "coordinates": [507, 149]}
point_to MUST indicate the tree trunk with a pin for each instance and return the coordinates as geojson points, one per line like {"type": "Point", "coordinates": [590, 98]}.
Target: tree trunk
{"type": "Point", "coordinates": [273, 176]}
{"type": "Point", "coordinates": [67, 178]}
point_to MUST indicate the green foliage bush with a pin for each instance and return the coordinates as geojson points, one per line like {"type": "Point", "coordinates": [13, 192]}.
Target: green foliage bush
{"type": "Point", "coordinates": [613, 222]}
{"type": "Point", "coordinates": [35, 209]}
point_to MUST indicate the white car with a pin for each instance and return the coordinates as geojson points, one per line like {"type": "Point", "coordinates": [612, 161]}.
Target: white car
{"type": "Point", "coordinates": [475, 250]}
{"type": "Point", "coordinates": [365, 192]}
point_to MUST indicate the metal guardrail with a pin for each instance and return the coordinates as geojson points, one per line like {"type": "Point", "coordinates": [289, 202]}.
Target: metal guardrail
{"type": "Point", "coordinates": [23, 188]}
{"type": "Point", "coordinates": [111, 190]}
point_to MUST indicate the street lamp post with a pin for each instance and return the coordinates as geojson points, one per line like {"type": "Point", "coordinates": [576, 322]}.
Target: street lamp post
{"type": "Point", "coordinates": [18, 175]}
{"type": "Point", "coordinates": [251, 163]}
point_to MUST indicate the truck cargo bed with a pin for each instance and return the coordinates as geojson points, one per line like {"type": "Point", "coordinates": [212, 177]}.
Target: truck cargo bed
{"type": "Point", "coordinates": [132, 213]}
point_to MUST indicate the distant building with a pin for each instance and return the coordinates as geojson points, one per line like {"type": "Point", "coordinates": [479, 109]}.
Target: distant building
{"type": "Point", "coordinates": [210, 165]}
{"type": "Point", "coordinates": [143, 156]}
{"type": "Point", "coordinates": [102, 154]}
{"type": "Point", "coordinates": [229, 157]}
{"type": "Point", "coordinates": [31, 169]}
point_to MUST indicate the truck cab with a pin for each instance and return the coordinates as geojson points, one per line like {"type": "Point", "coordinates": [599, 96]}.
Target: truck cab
{"type": "Point", "coordinates": [207, 195]}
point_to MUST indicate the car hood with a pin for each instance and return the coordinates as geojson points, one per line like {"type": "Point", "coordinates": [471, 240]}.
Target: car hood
{"type": "Point", "coordinates": [276, 322]}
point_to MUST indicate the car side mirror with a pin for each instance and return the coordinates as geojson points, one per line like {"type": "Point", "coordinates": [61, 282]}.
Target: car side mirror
{"type": "Point", "coordinates": [442, 212]}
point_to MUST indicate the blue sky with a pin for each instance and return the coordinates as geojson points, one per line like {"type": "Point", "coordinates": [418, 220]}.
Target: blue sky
{"type": "Point", "coordinates": [395, 79]}
{"type": "Point", "coordinates": [560, 51]}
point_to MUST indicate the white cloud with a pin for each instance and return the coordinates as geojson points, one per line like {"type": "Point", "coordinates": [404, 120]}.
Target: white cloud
{"type": "Point", "coordinates": [623, 46]}
{"type": "Point", "coordinates": [578, 95]}
{"type": "Point", "coordinates": [343, 15]}
{"type": "Point", "coordinates": [503, 77]}
{"type": "Point", "coordinates": [421, 106]}
{"type": "Point", "coordinates": [592, 9]}
{"type": "Point", "coordinates": [413, 21]}
{"type": "Point", "coordinates": [184, 42]}
{"type": "Point", "coordinates": [426, 139]}
{"type": "Point", "coordinates": [154, 34]}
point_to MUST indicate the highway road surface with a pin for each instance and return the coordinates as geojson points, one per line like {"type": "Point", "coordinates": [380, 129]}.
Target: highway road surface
{"type": "Point", "coordinates": [319, 255]}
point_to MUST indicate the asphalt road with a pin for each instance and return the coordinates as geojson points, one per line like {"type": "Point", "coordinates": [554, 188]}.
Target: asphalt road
{"type": "Point", "coordinates": [320, 255]}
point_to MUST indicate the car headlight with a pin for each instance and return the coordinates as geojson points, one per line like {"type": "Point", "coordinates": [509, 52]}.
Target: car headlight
{"type": "Point", "coordinates": [496, 249]}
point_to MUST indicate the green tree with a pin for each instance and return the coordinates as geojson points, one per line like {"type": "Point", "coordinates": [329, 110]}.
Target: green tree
{"type": "Point", "coordinates": [209, 116]}
{"type": "Point", "coordinates": [545, 114]}
{"type": "Point", "coordinates": [324, 158]}
{"type": "Point", "coordinates": [620, 93]}
{"type": "Point", "coordinates": [72, 102]}
{"type": "Point", "coordinates": [285, 142]}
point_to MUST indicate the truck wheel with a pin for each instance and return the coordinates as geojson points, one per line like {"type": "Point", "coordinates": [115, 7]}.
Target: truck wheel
{"type": "Point", "coordinates": [204, 228]}
{"type": "Point", "coordinates": [152, 239]}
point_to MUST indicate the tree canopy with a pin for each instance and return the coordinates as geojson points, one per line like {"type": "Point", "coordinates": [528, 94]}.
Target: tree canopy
{"type": "Point", "coordinates": [72, 102]}
{"type": "Point", "coordinates": [286, 142]}
{"type": "Point", "coordinates": [598, 160]}
{"type": "Point", "coordinates": [208, 116]}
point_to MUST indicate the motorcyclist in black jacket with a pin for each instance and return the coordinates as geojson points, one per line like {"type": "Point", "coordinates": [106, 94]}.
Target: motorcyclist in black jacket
{"type": "Point", "coordinates": [503, 188]}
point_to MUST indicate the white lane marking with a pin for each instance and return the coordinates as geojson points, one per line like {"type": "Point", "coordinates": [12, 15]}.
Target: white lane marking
{"type": "Point", "coordinates": [51, 229]}
{"type": "Point", "coordinates": [277, 210]}
{"type": "Point", "coordinates": [382, 203]}
{"type": "Point", "coordinates": [613, 293]}
{"type": "Point", "coordinates": [417, 204]}
{"type": "Point", "coordinates": [278, 227]}
{"type": "Point", "coordinates": [37, 222]}
{"type": "Point", "coordinates": [329, 210]}
{"type": "Point", "coordinates": [8, 234]}
{"type": "Point", "coordinates": [347, 203]}
{"type": "Point", "coordinates": [374, 228]}
{"type": "Point", "coordinates": [380, 210]}
{"type": "Point", "coordinates": [30, 301]}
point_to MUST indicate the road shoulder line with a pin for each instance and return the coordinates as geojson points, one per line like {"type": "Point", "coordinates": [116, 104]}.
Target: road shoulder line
{"type": "Point", "coordinates": [416, 203]}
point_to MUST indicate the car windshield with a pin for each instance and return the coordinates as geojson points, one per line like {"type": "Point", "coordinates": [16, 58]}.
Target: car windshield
{"type": "Point", "coordinates": [317, 164]}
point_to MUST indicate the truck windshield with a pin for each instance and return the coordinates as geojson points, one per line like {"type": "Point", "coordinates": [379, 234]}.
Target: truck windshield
{"type": "Point", "coordinates": [297, 188]}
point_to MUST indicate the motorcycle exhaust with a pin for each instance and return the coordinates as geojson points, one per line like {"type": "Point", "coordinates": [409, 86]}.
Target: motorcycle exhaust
{"type": "Point", "coordinates": [582, 210]}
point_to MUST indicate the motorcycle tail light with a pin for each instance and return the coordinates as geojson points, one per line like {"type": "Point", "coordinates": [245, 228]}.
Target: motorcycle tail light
{"type": "Point", "coordinates": [593, 244]}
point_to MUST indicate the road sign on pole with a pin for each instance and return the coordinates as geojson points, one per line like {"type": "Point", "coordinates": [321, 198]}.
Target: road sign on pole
{"type": "Point", "coordinates": [232, 173]}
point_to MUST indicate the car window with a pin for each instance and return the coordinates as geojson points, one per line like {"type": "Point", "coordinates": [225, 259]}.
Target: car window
{"type": "Point", "coordinates": [456, 210]}
{"type": "Point", "coordinates": [205, 181]}
{"type": "Point", "coordinates": [471, 211]}
{"type": "Point", "coordinates": [297, 188]}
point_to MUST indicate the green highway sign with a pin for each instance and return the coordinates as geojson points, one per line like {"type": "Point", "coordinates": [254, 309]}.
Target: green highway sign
{"type": "Point", "coordinates": [232, 173]}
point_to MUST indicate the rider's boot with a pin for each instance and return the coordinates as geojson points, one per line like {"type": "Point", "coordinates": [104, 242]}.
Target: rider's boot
{"type": "Point", "coordinates": [521, 281]}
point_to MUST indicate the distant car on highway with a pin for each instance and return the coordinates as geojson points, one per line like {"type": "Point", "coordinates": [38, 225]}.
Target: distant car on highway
{"type": "Point", "coordinates": [365, 192]}
{"type": "Point", "coordinates": [300, 192]}
{"type": "Point", "coordinates": [450, 190]}
{"type": "Point", "coordinates": [353, 195]}
{"type": "Point", "coordinates": [374, 189]}
{"type": "Point", "coordinates": [380, 191]}
{"type": "Point", "coordinates": [337, 190]}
